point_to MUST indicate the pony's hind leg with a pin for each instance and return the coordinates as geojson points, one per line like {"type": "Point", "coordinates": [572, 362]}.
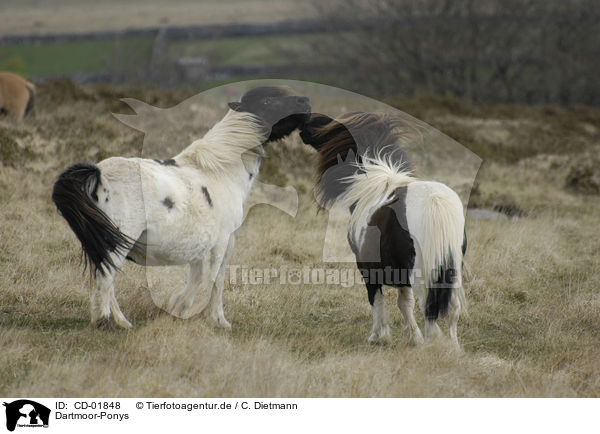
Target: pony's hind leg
{"type": "Point", "coordinates": [381, 328]}
{"type": "Point", "coordinates": [103, 302]}
{"type": "Point", "coordinates": [431, 328]}
{"type": "Point", "coordinates": [406, 303]}
{"type": "Point", "coordinates": [453, 314]}
{"type": "Point", "coordinates": [100, 299]}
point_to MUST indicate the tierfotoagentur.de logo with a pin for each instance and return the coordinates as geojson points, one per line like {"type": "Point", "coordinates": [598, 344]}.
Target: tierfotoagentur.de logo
{"type": "Point", "coordinates": [25, 413]}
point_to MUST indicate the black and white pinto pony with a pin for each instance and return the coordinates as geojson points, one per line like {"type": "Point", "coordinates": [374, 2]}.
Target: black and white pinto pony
{"type": "Point", "coordinates": [404, 232]}
{"type": "Point", "coordinates": [184, 210]}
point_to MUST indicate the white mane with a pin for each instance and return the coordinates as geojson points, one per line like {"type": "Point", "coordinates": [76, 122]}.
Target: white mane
{"type": "Point", "coordinates": [371, 187]}
{"type": "Point", "coordinates": [226, 142]}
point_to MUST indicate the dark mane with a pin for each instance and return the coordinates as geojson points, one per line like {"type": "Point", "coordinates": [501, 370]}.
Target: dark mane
{"type": "Point", "coordinates": [363, 133]}
{"type": "Point", "coordinates": [342, 142]}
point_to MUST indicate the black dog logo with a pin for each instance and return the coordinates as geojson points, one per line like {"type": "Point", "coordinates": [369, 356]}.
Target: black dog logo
{"type": "Point", "coordinates": [27, 413]}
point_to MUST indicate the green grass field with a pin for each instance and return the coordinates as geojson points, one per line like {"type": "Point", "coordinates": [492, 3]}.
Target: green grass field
{"type": "Point", "coordinates": [132, 54]}
{"type": "Point", "coordinates": [249, 51]}
{"type": "Point", "coordinates": [532, 282]}
{"type": "Point", "coordinates": [64, 58]}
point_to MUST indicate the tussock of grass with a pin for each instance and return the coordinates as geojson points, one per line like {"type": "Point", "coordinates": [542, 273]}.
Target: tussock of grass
{"type": "Point", "coordinates": [532, 284]}
{"type": "Point", "coordinates": [13, 153]}
{"type": "Point", "coordinates": [584, 172]}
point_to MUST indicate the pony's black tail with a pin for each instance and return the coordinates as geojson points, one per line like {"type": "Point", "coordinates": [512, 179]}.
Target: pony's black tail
{"type": "Point", "coordinates": [75, 196]}
{"type": "Point", "coordinates": [439, 289]}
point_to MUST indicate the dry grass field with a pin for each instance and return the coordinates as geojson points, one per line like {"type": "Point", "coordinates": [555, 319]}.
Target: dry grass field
{"type": "Point", "coordinates": [533, 283]}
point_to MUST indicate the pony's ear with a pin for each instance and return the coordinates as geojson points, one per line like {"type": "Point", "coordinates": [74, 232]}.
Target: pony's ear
{"type": "Point", "coordinates": [234, 105]}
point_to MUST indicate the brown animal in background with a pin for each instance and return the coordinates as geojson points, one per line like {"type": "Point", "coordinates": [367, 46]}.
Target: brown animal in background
{"type": "Point", "coordinates": [17, 95]}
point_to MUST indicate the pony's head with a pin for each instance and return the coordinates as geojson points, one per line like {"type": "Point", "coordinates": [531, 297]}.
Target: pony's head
{"type": "Point", "coordinates": [279, 107]}
{"type": "Point", "coordinates": [342, 143]}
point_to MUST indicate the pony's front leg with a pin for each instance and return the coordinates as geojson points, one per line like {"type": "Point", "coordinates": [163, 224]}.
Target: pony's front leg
{"type": "Point", "coordinates": [193, 295]}
{"type": "Point", "coordinates": [103, 302]}
{"type": "Point", "coordinates": [219, 261]}
{"type": "Point", "coordinates": [381, 328]}
{"type": "Point", "coordinates": [406, 303]}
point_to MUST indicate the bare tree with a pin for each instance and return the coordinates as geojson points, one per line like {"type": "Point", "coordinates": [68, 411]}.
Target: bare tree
{"type": "Point", "coordinates": [494, 50]}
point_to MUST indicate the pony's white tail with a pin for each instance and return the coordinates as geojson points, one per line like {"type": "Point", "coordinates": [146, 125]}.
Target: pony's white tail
{"type": "Point", "coordinates": [371, 187]}
{"type": "Point", "coordinates": [441, 246]}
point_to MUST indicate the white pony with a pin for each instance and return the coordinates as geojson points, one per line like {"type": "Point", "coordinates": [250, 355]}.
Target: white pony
{"type": "Point", "coordinates": [184, 210]}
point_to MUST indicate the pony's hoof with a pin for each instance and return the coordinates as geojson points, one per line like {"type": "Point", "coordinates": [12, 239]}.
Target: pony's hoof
{"type": "Point", "coordinates": [105, 323]}
{"type": "Point", "coordinates": [171, 306]}
{"type": "Point", "coordinates": [382, 335]}
{"type": "Point", "coordinates": [123, 323]}
{"type": "Point", "coordinates": [179, 305]}
{"type": "Point", "coordinates": [417, 340]}
{"type": "Point", "coordinates": [223, 323]}
{"type": "Point", "coordinates": [456, 347]}
{"type": "Point", "coordinates": [216, 319]}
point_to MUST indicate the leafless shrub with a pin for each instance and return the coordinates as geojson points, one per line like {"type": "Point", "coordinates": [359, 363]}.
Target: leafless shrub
{"type": "Point", "coordinates": [494, 50]}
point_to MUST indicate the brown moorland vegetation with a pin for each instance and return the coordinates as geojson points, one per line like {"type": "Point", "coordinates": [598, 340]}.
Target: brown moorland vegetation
{"type": "Point", "coordinates": [532, 280]}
